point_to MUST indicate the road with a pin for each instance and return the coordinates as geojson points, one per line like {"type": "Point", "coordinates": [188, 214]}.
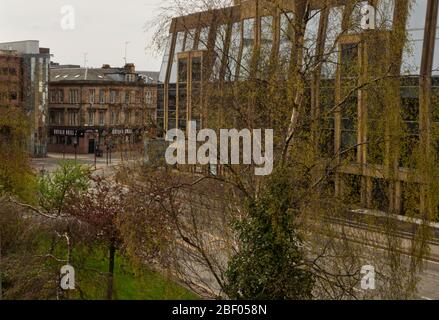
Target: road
{"type": "Point", "coordinates": [51, 162]}
{"type": "Point", "coordinates": [429, 285]}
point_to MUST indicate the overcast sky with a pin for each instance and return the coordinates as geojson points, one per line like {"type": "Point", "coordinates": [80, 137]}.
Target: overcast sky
{"type": "Point", "coordinates": [102, 28]}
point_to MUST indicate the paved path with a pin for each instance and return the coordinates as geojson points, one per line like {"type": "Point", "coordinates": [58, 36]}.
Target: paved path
{"type": "Point", "coordinates": [429, 285]}
{"type": "Point", "coordinates": [51, 162]}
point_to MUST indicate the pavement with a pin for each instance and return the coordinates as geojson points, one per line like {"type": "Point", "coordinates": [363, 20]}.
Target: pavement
{"type": "Point", "coordinates": [429, 283]}
{"type": "Point", "coordinates": [51, 162]}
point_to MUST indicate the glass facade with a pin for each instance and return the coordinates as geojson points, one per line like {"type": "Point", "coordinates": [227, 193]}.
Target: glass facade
{"type": "Point", "coordinates": [160, 110]}
{"type": "Point", "coordinates": [179, 43]}
{"type": "Point", "coordinates": [235, 34]}
{"type": "Point", "coordinates": [331, 53]}
{"type": "Point", "coordinates": [204, 38]}
{"type": "Point", "coordinates": [411, 63]}
{"type": "Point", "coordinates": [286, 38]}
{"type": "Point", "coordinates": [310, 41]}
{"type": "Point", "coordinates": [190, 40]}
{"type": "Point", "coordinates": [165, 62]}
{"type": "Point", "coordinates": [248, 43]}
{"type": "Point", "coordinates": [233, 56]}
{"type": "Point", "coordinates": [384, 14]}
{"type": "Point", "coordinates": [220, 46]}
{"type": "Point", "coordinates": [267, 38]}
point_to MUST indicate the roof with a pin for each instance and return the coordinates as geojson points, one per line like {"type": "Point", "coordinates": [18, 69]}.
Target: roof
{"type": "Point", "coordinates": [150, 76]}
{"type": "Point", "coordinates": [99, 74]}
{"type": "Point", "coordinates": [78, 74]}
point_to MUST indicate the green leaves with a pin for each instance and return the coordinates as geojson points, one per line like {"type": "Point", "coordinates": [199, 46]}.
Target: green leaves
{"type": "Point", "coordinates": [16, 176]}
{"type": "Point", "coordinates": [55, 187]}
{"type": "Point", "coordinates": [270, 263]}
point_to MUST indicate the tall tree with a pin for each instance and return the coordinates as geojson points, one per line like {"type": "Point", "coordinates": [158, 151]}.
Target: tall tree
{"type": "Point", "coordinates": [100, 208]}
{"type": "Point", "coordinates": [16, 176]}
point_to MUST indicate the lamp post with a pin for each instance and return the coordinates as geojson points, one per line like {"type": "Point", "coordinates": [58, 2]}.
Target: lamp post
{"type": "Point", "coordinates": [64, 147]}
{"type": "Point", "coordinates": [1, 288]}
{"type": "Point", "coordinates": [75, 144]}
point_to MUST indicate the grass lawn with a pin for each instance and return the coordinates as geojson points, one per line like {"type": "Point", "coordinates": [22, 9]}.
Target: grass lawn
{"type": "Point", "coordinates": [129, 284]}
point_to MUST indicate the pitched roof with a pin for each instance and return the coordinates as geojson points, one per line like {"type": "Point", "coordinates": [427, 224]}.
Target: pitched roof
{"type": "Point", "coordinates": [98, 74]}
{"type": "Point", "coordinates": [149, 76]}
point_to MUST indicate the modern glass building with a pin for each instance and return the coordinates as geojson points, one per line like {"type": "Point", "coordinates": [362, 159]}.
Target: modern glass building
{"type": "Point", "coordinates": [348, 48]}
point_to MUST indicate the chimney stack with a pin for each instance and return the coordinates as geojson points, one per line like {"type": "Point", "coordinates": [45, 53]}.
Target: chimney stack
{"type": "Point", "coordinates": [130, 68]}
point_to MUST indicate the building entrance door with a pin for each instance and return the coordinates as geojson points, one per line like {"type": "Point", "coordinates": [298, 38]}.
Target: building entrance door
{"type": "Point", "coordinates": [91, 146]}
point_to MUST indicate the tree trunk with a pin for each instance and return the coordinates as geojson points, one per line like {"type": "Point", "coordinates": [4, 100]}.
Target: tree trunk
{"type": "Point", "coordinates": [1, 288]}
{"type": "Point", "coordinates": [111, 270]}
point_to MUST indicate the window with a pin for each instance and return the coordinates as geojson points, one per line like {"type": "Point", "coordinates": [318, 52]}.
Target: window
{"type": "Point", "coordinates": [52, 117]}
{"type": "Point", "coordinates": [127, 116]}
{"type": "Point", "coordinates": [101, 118]}
{"type": "Point", "coordinates": [178, 48]}
{"type": "Point", "coordinates": [91, 118]}
{"type": "Point", "coordinates": [266, 40]}
{"type": "Point", "coordinates": [335, 18]}
{"type": "Point", "coordinates": [327, 133]}
{"type": "Point", "coordinates": [73, 118]}
{"type": "Point", "coordinates": [233, 56]}
{"type": "Point", "coordinates": [56, 117]}
{"type": "Point", "coordinates": [411, 62]}
{"type": "Point", "coordinates": [204, 38]}
{"type": "Point", "coordinates": [130, 77]}
{"type": "Point", "coordinates": [349, 113]}
{"type": "Point", "coordinates": [411, 130]}
{"type": "Point", "coordinates": [247, 47]}
{"type": "Point", "coordinates": [220, 46]}
{"type": "Point", "coordinates": [114, 117]}
{"type": "Point", "coordinates": [310, 41]}
{"type": "Point", "coordinates": [102, 96]}
{"type": "Point", "coordinates": [286, 37]}
{"type": "Point", "coordinates": [127, 97]}
{"type": "Point", "coordinates": [165, 61]}
{"type": "Point", "coordinates": [61, 96]}
{"type": "Point", "coordinates": [74, 96]}
{"type": "Point", "coordinates": [182, 70]}
{"type": "Point", "coordinates": [91, 96]}
{"type": "Point", "coordinates": [160, 110]}
{"type": "Point", "coordinates": [53, 96]}
{"type": "Point", "coordinates": [182, 106]}
{"type": "Point", "coordinates": [137, 117]}
{"type": "Point", "coordinates": [172, 108]}
{"type": "Point", "coordinates": [384, 14]}
{"type": "Point", "coordinates": [148, 97]}
{"type": "Point", "coordinates": [196, 69]}
{"type": "Point", "coordinates": [349, 58]}
{"type": "Point", "coordinates": [113, 96]}
{"type": "Point", "coordinates": [190, 36]}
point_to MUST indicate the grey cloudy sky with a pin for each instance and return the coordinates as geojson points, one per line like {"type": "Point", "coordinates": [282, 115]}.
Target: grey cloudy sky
{"type": "Point", "coordinates": [102, 28]}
